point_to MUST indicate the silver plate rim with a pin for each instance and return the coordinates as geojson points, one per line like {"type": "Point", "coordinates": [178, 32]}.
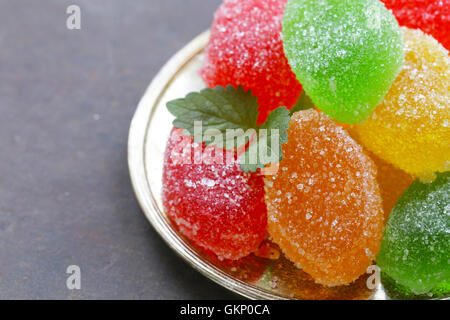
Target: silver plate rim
{"type": "Point", "coordinates": [138, 174]}
{"type": "Point", "coordinates": [137, 169]}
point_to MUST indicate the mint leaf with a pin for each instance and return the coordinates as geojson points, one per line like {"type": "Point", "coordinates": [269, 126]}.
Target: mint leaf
{"type": "Point", "coordinates": [303, 103]}
{"type": "Point", "coordinates": [249, 159]}
{"type": "Point", "coordinates": [274, 130]}
{"type": "Point", "coordinates": [231, 114]}
{"type": "Point", "coordinates": [278, 119]}
{"type": "Point", "coordinates": [219, 108]}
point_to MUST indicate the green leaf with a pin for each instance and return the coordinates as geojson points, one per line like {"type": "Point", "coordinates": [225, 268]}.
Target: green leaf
{"type": "Point", "coordinates": [278, 119]}
{"type": "Point", "coordinates": [303, 103]}
{"type": "Point", "coordinates": [219, 108]}
{"type": "Point", "coordinates": [273, 130]}
{"type": "Point", "coordinates": [230, 116]}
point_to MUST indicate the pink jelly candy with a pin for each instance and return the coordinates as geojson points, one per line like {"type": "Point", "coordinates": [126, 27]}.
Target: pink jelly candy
{"type": "Point", "coordinates": [212, 201]}
{"type": "Point", "coordinates": [245, 48]}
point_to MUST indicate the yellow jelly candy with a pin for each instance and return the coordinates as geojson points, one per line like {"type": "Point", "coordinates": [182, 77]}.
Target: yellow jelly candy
{"type": "Point", "coordinates": [410, 129]}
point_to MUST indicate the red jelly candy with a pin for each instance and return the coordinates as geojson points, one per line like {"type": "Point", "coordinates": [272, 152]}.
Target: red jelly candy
{"type": "Point", "coordinates": [212, 201]}
{"type": "Point", "coordinates": [431, 16]}
{"type": "Point", "coordinates": [245, 48]}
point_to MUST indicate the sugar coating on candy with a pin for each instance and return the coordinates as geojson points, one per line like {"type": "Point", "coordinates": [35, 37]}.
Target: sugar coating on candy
{"type": "Point", "coordinates": [415, 249]}
{"type": "Point", "coordinates": [245, 48]}
{"type": "Point", "coordinates": [392, 181]}
{"type": "Point", "coordinates": [430, 16]}
{"type": "Point", "coordinates": [345, 53]}
{"type": "Point", "coordinates": [324, 207]}
{"type": "Point", "coordinates": [411, 128]}
{"type": "Point", "coordinates": [213, 202]}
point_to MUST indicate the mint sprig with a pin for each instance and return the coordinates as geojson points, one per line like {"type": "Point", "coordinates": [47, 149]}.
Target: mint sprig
{"type": "Point", "coordinates": [226, 108]}
{"type": "Point", "coordinates": [278, 120]}
{"type": "Point", "coordinates": [219, 108]}
{"type": "Point", "coordinates": [303, 103]}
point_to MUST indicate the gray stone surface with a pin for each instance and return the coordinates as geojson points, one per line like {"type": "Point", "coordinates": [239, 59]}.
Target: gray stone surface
{"type": "Point", "coordinates": [66, 101]}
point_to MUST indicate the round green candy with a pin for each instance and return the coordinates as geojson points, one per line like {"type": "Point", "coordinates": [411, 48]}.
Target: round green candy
{"type": "Point", "coordinates": [415, 250]}
{"type": "Point", "coordinates": [346, 53]}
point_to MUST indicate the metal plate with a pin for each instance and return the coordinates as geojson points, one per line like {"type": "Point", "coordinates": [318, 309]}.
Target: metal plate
{"type": "Point", "coordinates": [252, 277]}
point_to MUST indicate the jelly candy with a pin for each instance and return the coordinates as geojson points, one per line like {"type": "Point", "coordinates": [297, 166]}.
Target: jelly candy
{"type": "Point", "coordinates": [430, 16]}
{"type": "Point", "coordinates": [324, 207]}
{"type": "Point", "coordinates": [392, 181]}
{"type": "Point", "coordinates": [245, 48]}
{"type": "Point", "coordinates": [415, 249]}
{"type": "Point", "coordinates": [410, 129]}
{"type": "Point", "coordinates": [345, 53]}
{"type": "Point", "coordinates": [213, 203]}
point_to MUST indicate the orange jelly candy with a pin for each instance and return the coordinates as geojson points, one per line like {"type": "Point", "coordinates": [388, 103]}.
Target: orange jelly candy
{"type": "Point", "coordinates": [324, 205]}
{"type": "Point", "coordinates": [392, 181]}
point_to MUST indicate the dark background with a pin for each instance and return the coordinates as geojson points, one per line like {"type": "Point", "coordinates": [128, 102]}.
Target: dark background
{"type": "Point", "coordinates": [66, 101]}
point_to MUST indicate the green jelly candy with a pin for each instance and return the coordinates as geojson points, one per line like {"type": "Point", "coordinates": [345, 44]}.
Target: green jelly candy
{"type": "Point", "coordinates": [415, 250]}
{"type": "Point", "coordinates": [346, 53]}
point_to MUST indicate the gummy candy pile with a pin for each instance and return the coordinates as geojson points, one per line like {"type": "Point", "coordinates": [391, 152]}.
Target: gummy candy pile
{"type": "Point", "coordinates": [360, 100]}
